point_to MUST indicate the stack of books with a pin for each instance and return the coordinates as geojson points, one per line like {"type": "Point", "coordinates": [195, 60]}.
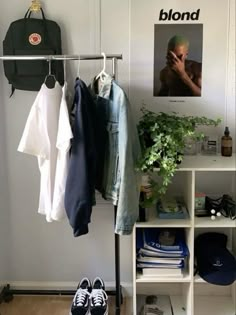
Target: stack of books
{"type": "Point", "coordinates": [155, 258]}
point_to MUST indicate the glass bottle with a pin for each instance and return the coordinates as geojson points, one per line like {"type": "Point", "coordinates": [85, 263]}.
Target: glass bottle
{"type": "Point", "coordinates": [226, 143]}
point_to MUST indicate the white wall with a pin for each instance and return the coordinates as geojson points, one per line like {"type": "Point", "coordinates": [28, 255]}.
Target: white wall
{"type": "Point", "coordinates": [39, 251]}
{"type": "Point", "coordinates": [4, 200]}
{"type": "Point", "coordinates": [48, 252]}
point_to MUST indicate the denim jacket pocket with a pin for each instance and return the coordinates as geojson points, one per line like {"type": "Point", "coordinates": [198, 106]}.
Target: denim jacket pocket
{"type": "Point", "coordinates": [113, 131]}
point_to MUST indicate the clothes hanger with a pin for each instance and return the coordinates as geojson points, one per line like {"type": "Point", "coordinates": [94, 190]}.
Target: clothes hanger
{"type": "Point", "coordinates": [35, 6]}
{"type": "Point", "coordinates": [64, 69]}
{"type": "Point", "coordinates": [50, 83]}
{"type": "Point", "coordinates": [102, 75]}
{"type": "Point", "coordinates": [78, 70]}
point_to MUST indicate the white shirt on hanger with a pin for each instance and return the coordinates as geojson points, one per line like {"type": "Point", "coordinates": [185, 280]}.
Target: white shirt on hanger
{"type": "Point", "coordinates": [47, 136]}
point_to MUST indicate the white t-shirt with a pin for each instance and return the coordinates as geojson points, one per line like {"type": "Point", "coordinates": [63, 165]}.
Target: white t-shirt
{"type": "Point", "coordinates": [47, 136]}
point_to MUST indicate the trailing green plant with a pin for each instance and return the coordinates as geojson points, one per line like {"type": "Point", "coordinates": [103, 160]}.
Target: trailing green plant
{"type": "Point", "coordinates": [163, 139]}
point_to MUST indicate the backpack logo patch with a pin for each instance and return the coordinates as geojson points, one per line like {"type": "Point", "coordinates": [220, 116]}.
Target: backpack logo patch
{"type": "Point", "coordinates": [35, 39]}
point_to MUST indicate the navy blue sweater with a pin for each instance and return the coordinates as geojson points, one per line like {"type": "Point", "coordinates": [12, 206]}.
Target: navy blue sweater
{"type": "Point", "coordinates": [80, 185]}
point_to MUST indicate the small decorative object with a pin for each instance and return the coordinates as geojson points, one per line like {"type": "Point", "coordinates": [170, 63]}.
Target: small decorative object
{"type": "Point", "coordinates": [225, 205]}
{"type": "Point", "coordinates": [167, 237]}
{"type": "Point", "coordinates": [142, 209]}
{"type": "Point", "coordinates": [229, 207]}
{"type": "Point", "coordinates": [35, 6]}
{"type": "Point", "coordinates": [226, 143]}
{"type": "Point", "coordinates": [191, 147]}
{"type": "Point", "coordinates": [154, 305]}
{"type": "Point", "coordinates": [209, 145]}
{"type": "Point", "coordinates": [172, 208]}
{"type": "Point", "coordinates": [146, 186]}
{"type": "Point", "coordinates": [145, 193]}
{"type": "Point", "coordinates": [162, 137]}
{"type": "Point", "coordinates": [214, 207]}
{"type": "Point", "coordinates": [200, 200]}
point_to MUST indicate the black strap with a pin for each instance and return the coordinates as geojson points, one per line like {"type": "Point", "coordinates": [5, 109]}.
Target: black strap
{"type": "Point", "coordinates": [12, 90]}
{"type": "Point", "coordinates": [29, 12]}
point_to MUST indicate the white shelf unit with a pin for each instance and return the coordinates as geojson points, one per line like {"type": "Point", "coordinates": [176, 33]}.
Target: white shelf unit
{"type": "Point", "coordinates": [215, 176]}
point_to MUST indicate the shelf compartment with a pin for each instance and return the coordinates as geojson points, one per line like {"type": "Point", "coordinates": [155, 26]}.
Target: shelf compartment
{"type": "Point", "coordinates": [187, 272]}
{"type": "Point", "coordinates": [146, 279]}
{"type": "Point", "coordinates": [181, 186]}
{"type": "Point", "coordinates": [215, 184]}
{"type": "Point", "coordinates": [199, 280]}
{"type": "Point", "coordinates": [178, 305]}
{"type": "Point", "coordinates": [208, 163]}
{"type": "Point", "coordinates": [217, 305]}
{"type": "Point", "coordinates": [206, 222]}
{"type": "Point", "coordinates": [230, 232]}
{"type": "Point", "coordinates": [153, 221]}
{"type": "Point", "coordinates": [213, 299]}
{"type": "Point", "coordinates": [179, 295]}
{"type": "Point", "coordinates": [156, 222]}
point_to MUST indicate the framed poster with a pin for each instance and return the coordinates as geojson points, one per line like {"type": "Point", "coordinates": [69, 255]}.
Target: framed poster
{"type": "Point", "coordinates": [183, 42]}
{"type": "Point", "coordinates": [178, 55]}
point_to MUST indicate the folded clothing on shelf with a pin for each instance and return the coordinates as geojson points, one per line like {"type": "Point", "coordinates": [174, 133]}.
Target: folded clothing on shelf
{"type": "Point", "coordinates": [152, 251]}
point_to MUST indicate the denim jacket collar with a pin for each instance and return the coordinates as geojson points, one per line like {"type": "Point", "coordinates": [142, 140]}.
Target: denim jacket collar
{"type": "Point", "coordinates": [105, 89]}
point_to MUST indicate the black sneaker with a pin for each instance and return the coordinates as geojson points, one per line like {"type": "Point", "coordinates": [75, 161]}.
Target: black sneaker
{"type": "Point", "coordinates": [98, 298]}
{"type": "Point", "coordinates": [80, 304]}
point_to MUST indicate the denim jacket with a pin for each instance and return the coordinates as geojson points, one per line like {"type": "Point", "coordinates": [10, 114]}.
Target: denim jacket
{"type": "Point", "coordinates": [118, 150]}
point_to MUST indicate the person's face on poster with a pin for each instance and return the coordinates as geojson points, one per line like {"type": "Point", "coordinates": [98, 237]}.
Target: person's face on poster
{"type": "Point", "coordinates": [179, 51]}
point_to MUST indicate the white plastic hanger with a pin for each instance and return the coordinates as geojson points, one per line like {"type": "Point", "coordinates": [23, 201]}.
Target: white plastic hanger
{"type": "Point", "coordinates": [78, 69]}
{"type": "Point", "coordinates": [50, 75]}
{"type": "Point", "coordinates": [64, 69]}
{"type": "Point", "coordinates": [102, 75]}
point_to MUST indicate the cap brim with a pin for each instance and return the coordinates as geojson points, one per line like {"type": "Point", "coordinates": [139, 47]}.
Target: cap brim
{"type": "Point", "coordinates": [224, 275]}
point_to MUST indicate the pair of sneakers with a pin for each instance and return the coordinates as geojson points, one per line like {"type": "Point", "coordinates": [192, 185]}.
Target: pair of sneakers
{"type": "Point", "coordinates": [90, 298]}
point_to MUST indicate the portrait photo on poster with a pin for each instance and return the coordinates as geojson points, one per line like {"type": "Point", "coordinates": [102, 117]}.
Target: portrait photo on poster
{"type": "Point", "coordinates": [178, 60]}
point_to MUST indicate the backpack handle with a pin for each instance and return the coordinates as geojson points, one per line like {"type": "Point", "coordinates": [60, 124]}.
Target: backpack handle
{"type": "Point", "coordinates": [29, 12]}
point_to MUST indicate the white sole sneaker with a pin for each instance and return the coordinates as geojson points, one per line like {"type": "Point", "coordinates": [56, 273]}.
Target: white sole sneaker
{"type": "Point", "coordinates": [106, 313]}
{"type": "Point", "coordinates": [88, 313]}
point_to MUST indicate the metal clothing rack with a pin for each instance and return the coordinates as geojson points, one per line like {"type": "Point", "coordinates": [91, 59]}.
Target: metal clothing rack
{"type": "Point", "coordinates": [7, 293]}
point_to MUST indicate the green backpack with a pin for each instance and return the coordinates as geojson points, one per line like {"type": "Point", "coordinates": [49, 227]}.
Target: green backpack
{"type": "Point", "coordinates": [31, 36]}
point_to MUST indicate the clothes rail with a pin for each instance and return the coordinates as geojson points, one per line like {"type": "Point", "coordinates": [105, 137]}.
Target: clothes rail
{"type": "Point", "coordinates": [7, 292]}
{"type": "Point", "coordinates": [60, 57]}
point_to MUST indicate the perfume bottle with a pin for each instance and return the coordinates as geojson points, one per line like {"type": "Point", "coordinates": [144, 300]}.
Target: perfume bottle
{"type": "Point", "coordinates": [226, 143]}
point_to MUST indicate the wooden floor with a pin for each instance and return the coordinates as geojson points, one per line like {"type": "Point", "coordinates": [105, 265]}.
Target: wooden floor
{"type": "Point", "coordinates": [49, 305]}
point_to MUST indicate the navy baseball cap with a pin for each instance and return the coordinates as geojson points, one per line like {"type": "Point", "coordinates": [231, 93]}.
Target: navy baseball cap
{"type": "Point", "coordinates": [218, 267]}
{"type": "Point", "coordinates": [215, 263]}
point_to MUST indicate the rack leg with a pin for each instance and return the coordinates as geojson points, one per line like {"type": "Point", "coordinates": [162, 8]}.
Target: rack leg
{"type": "Point", "coordinates": [117, 265]}
{"type": "Point", "coordinates": [6, 295]}
{"type": "Point", "coordinates": [117, 270]}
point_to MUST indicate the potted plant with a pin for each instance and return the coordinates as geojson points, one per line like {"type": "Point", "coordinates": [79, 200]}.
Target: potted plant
{"type": "Point", "coordinates": [163, 139]}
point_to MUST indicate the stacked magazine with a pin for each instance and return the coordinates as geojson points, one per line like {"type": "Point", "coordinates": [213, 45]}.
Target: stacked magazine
{"type": "Point", "coordinates": [154, 305]}
{"type": "Point", "coordinates": [158, 257]}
